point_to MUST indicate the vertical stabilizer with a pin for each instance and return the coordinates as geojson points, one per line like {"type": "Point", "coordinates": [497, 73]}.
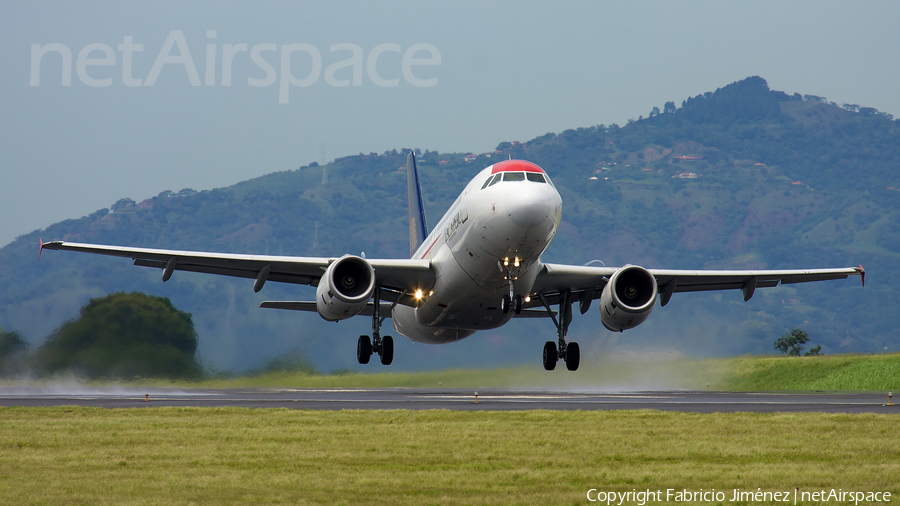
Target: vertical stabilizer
{"type": "Point", "coordinates": [418, 230]}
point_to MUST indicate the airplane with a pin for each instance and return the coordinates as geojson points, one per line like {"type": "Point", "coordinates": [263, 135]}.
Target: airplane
{"type": "Point", "coordinates": [476, 270]}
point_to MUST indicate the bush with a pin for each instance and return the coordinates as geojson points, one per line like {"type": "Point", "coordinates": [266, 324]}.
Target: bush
{"type": "Point", "coordinates": [13, 354]}
{"type": "Point", "coordinates": [124, 335]}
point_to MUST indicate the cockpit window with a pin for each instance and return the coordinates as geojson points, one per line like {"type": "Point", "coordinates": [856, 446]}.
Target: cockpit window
{"type": "Point", "coordinates": [534, 177]}
{"type": "Point", "coordinates": [513, 176]}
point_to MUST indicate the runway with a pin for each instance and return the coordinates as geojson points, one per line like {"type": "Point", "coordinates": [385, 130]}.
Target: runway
{"type": "Point", "coordinates": [452, 399]}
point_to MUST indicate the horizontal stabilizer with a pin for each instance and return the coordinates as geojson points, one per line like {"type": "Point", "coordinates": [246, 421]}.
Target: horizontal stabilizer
{"type": "Point", "coordinates": [385, 310]}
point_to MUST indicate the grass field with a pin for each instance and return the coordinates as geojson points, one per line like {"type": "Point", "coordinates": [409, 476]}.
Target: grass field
{"type": "Point", "coordinates": [831, 372]}
{"type": "Point", "coordinates": [275, 456]}
{"type": "Point", "coordinates": [74, 455]}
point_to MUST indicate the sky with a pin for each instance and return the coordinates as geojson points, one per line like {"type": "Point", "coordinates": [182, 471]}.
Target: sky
{"type": "Point", "coordinates": [142, 106]}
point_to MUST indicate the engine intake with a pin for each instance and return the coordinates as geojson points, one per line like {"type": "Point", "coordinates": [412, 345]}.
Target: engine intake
{"type": "Point", "coordinates": [627, 298]}
{"type": "Point", "coordinates": [345, 288]}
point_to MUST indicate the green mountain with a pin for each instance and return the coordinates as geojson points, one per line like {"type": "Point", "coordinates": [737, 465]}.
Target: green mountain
{"type": "Point", "coordinates": [743, 177]}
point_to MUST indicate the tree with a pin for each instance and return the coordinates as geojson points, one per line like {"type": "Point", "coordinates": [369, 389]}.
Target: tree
{"type": "Point", "coordinates": [792, 344]}
{"type": "Point", "coordinates": [122, 203]}
{"type": "Point", "coordinates": [654, 112]}
{"type": "Point", "coordinates": [13, 353]}
{"type": "Point", "coordinates": [814, 352]}
{"type": "Point", "coordinates": [669, 108]}
{"type": "Point", "coordinates": [124, 335]}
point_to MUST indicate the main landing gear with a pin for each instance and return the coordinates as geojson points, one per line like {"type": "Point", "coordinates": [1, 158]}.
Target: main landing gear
{"type": "Point", "coordinates": [383, 346]}
{"type": "Point", "coordinates": [569, 352]}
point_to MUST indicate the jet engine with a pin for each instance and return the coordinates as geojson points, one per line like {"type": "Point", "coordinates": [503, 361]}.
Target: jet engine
{"type": "Point", "coordinates": [345, 288]}
{"type": "Point", "coordinates": [627, 298]}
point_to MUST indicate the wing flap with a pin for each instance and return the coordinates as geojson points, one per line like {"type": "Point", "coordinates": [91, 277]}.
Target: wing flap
{"type": "Point", "coordinates": [700, 280]}
{"type": "Point", "coordinates": [704, 287]}
{"type": "Point", "coordinates": [555, 278]}
{"type": "Point", "coordinates": [559, 277]}
{"type": "Point", "coordinates": [401, 275]}
{"type": "Point", "coordinates": [281, 277]}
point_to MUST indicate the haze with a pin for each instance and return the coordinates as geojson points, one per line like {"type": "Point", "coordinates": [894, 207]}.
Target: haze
{"type": "Point", "coordinates": [507, 71]}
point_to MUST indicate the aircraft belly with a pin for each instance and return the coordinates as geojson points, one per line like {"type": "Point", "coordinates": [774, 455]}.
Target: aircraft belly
{"type": "Point", "coordinates": [406, 323]}
{"type": "Point", "coordinates": [459, 302]}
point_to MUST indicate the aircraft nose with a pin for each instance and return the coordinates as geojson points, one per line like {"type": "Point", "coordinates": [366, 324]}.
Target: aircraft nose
{"type": "Point", "coordinates": [529, 205]}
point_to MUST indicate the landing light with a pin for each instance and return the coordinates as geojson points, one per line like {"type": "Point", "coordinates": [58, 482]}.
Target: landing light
{"type": "Point", "coordinates": [516, 262]}
{"type": "Point", "coordinates": [528, 298]}
{"type": "Point", "coordinates": [419, 294]}
{"type": "Point", "coordinates": [506, 262]}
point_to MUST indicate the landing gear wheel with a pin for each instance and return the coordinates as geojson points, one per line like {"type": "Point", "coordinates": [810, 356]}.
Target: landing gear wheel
{"type": "Point", "coordinates": [363, 349]}
{"type": "Point", "coordinates": [550, 355]}
{"type": "Point", "coordinates": [573, 356]}
{"type": "Point", "coordinates": [387, 350]}
{"type": "Point", "coordinates": [518, 308]}
{"type": "Point", "coordinates": [504, 304]}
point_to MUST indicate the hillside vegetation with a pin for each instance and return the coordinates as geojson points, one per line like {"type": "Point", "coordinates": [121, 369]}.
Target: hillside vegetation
{"type": "Point", "coordinates": [743, 177]}
{"type": "Point", "coordinates": [744, 373]}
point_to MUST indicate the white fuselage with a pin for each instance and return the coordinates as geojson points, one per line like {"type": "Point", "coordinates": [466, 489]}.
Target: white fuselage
{"type": "Point", "coordinates": [510, 221]}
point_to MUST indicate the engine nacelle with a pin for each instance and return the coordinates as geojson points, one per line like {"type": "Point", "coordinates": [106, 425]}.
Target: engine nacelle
{"type": "Point", "coordinates": [627, 298]}
{"type": "Point", "coordinates": [345, 288]}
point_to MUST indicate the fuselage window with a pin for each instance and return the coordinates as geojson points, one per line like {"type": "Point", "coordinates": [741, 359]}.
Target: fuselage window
{"type": "Point", "coordinates": [495, 179]}
{"type": "Point", "coordinates": [513, 176]}
{"type": "Point", "coordinates": [535, 177]}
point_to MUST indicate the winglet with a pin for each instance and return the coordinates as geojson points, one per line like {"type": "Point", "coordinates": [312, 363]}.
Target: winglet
{"type": "Point", "coordinates": [418, 229]}
{"type": "Point", "coordinates": [42, 248]}
{"type": "Point", "coordinates": [862, 274]}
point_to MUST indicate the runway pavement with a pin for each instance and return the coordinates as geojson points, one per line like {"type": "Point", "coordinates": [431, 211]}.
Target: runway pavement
{"type": "Point", "coordinates": [454, 399]}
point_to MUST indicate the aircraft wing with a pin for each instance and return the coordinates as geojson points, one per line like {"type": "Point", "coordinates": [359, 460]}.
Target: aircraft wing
{"type": "Point", "coordinates": [587, 282]}
{"type": "Point", "coordinates": [400, 275]}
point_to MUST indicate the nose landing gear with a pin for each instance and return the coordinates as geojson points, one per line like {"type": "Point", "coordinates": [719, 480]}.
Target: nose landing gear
{"type": "Point", "coordinates": [511, 301]}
